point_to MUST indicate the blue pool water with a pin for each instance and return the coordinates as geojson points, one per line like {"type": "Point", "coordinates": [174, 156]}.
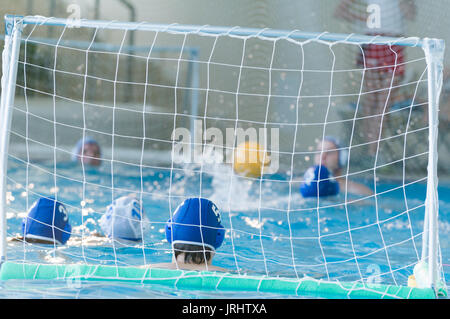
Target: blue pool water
{"type": "Point", "coordinates": [273, 227]}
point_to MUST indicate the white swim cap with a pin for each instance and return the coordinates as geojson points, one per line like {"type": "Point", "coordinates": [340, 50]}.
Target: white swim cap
{"type": "Point", "coordinates": [123, 219]}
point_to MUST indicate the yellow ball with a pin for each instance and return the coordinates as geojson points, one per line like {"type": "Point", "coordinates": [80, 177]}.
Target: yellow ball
{"type": "Point", "coordinates": [249, 159]}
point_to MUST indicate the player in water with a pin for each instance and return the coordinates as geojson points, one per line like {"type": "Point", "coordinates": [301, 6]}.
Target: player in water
{"type": "Point", "coordinates": [87, 151]}
{"type": "Point", "coordinates": [195, 232]}
{"type": "Point", "coordinates": [47, 222]}
{"type": "Point", "coordinates": [329, 161]}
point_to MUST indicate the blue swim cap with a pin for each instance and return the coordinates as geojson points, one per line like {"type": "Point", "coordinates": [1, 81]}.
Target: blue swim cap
{"type": "Point", "coordinates": [196, 221]}
{"type": "Point", "coordinates": [123, 219]}
{"type": "Point", "coordinates": [47, 220]}
{"type": "Point", "coordinates": [77, 149]}
{"type": "Point", "coordinates": [328, 186]}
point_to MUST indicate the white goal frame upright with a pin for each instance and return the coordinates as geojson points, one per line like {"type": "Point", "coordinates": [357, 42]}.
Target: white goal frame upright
{"type": "Point", "coordinates": [433, 49]}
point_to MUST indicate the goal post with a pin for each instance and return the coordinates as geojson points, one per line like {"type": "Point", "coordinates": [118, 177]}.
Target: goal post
{"type": "Point", "coordinates": [427, 271]}
{"type": "Point", "coordinates": [13, 30]}
{"type": "Point", "coordinates": [434, 52]}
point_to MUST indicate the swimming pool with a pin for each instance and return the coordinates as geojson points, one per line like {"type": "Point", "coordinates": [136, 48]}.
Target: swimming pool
{"type": "Point", "coordinates": [272, 230]}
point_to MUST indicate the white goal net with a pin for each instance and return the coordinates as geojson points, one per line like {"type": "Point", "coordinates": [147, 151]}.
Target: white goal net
{"type": "Point", "coordinates": [344, 185]}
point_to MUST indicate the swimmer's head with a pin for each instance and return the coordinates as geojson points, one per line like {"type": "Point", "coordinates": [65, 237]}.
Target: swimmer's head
{"type": "Point", "coordinates": [87, 151]}
{"type": "Point", "coordinates": [123, 219]}
{"type": "Point", "coordinates": [196, 222]}
{"type": "Point", "coordinates": [333, 156]}
{"type": "Point", "coordinates": [318, 181]}
{"type": "Point", "coordinates": [47, 221]}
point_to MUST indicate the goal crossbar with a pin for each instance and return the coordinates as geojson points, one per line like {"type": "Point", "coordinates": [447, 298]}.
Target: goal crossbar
{"type": "Point", "coordinates": [215, 30]}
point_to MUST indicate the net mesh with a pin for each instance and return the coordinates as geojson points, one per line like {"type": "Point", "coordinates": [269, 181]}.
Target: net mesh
{"type": "Point", "coordinates": [168, 110]}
